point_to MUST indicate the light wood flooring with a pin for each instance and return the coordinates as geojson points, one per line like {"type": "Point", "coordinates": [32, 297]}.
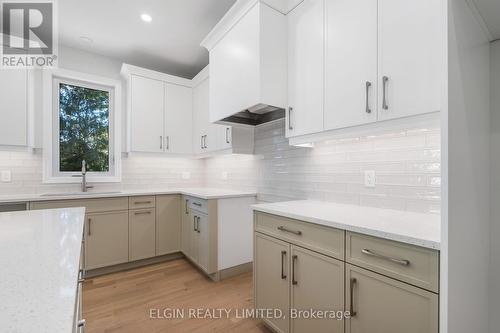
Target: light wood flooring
{"type": "Point", "coordinates": [121, 302]}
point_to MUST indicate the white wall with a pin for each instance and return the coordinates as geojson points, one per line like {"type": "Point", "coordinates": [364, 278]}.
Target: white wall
{"type": "Point", "coordinates": [495, 188]}
{"type": "Point", "coordinates": [407, 163]}
{"type": "Point", "coordinates": [466, 173]}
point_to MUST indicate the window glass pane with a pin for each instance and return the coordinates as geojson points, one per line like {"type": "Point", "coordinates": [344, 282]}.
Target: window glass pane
{"type": "Point", "coordinates": [83, 128]}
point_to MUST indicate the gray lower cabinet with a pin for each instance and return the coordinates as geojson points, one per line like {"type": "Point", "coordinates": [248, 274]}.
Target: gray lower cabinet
{"type": "Point", "coordinates": [384, 305]}
{"type": "Point", "coordinates": [272, 279]}
{"type": "Point", "coordinates": [317, 282]}
{"type": "Point", "coordinates": [106, 239]}
{"type": "Point", "coordinates": [168, 224]}
{"type": "Point", "coordinates": [142, 234]}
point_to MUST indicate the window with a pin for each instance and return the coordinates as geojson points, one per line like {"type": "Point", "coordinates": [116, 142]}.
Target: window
{"type": "Point", "coordinates": [83, 126]}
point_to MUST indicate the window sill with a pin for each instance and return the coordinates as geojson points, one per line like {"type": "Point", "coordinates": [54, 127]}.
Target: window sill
{"type": "Point", "coordinates": [78, 180]}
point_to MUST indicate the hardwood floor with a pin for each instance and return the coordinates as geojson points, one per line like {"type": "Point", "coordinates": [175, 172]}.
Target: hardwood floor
{"type": "Point", "coordinates": [121, 302]}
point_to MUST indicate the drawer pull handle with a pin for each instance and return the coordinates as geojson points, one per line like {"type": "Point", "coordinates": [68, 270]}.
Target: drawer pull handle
{"type": "Point", "coordinates": [403, 262]}
{"type": "Point", "coordinates": [295, 232]}
{"type": "Point", "coordinates": [283, 256]}
{"type": "Point", "coordinates": [294, 259]}
{"type": "Point", "coordinates": [142, 202]}
{"type": "Point", "coordinates": [142, 213]}
{"type": "Point", "coordinates": [197, 204]}
{"type": "Point", "coordinates": [352, 282]}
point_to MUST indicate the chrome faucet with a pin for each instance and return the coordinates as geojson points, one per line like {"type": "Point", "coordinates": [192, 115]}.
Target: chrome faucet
{"type": "Point", "coordinates": [85, 187]}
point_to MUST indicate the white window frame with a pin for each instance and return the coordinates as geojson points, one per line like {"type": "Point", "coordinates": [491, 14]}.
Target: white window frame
{"type": "Point", "coordinates": [51, 81]}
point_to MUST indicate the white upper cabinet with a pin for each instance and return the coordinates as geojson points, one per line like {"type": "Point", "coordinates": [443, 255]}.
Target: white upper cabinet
{"type": "Point", "coordinates": [351, 63]}
{"type": "Point", "coordinates": [203, 131]}
{"type": "Point", "coordinates": [247, 59]}
{"type": "Point", "coordinates": [146, 116]}
{"type": "Point", "coordinates": [410, 44]}
{"type": "Point", "coordinates": [160, 112]}
{"type": "Point", "coordinates": [305, 68]}
{"type": "Point", "coordinates": [14, 109]}
{"type": "Point", "coordinates": [178, 119]}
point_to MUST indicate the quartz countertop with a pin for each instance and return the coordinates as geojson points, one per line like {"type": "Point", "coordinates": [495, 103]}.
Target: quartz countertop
{"type": "Point", "coordinates": [39, 256]}
{"type": "Point", "coordinates": [407, 227]}
{"type": "Point", "coordinates": [199, 192]}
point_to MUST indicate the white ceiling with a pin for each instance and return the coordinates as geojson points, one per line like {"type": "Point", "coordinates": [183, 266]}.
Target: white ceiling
{"type": "Point", "coordinates": [490, 12]}
{"type": "Point", "coordinates": [170, 43]}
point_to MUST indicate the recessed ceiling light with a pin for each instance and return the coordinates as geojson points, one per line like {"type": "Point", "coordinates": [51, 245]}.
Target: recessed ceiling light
{"type": "Point", "coordinates": [146, 18]}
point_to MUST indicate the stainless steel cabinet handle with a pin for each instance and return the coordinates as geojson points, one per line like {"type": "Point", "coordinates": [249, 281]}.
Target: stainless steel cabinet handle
{"type": "Point", "coordinates": [88, 231]}
{"type": "Point", "coordinates": [194, 223]}
{"type": "Point", "coordinates": [403, 262]}
{"type": "Point", "coordinates": [205, 142]}
{"type": "Point", "coordinates": [143, 213]}
{"type": "Point", "coordinates": [197, 204]}
{"type": "Point", "coordinates": [296, 232]}
{"type": "Point", "coordinates": [294, 259]}
{"type": "Point", "coordinates": [81, 276]}
{"type": "Point", "coordinates": [290, 109]}
{"type": "Point", "coordinates": [283, 256]}
{"type": "Point", "coordinates": [227, 134]}
{"type": "Point", "coordinates": [141, 202]}
{"type": "Point", "coordinates": [168, 142]}
{"type": "Point", "coordinates": [368, 85]}
{"type": "Point", "coordinates": [81, 324]}
{"type": "Point", "coordinates": [201, 143]}
{"type": "Point", "coordinates": [187, 212]}
{"type": "Point", "coordinates": [161, 142]}
{"type": "Point", "coordinates": [352, 282]}
{"type": "Point", "coordinates": [385, 81]}
{"type": "Point", "coordinates": [198, 224]}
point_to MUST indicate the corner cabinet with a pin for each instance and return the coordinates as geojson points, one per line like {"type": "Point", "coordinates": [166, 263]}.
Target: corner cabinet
{"type": "Point", "coordinates": [387, 286]}
{"type": "Point", "coordinates": [382, 61]}
{"type": "Point", "coordinates": [211, 138]}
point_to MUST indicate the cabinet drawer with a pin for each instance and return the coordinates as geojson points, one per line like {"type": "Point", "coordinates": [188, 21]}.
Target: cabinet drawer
{"type": "Point", "coordinates": [412, 264]}
{"type": "Point", "coordinates": [91, 205]}
{"type": "Point", "coordinates": [318, 238]}
{"type": "Point", "coordinates": [142, 202]}
{"type": "Point", "coordinates": [200, 205]}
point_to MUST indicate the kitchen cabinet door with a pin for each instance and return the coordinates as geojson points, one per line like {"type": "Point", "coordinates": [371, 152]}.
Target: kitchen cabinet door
{"type": "Point", "coordinates": [200, 116]}
{"type": "Point", "coordinates": [351, 63]}
{"type": "Point", "coordinates": [146, 114]}
{"type": "Point", "coordinates": [379, 304]}
{"type": "Point", "coordinates": [178, 119]}
{"type": "Point", "coordinates": [186, 227]}
{"type": "Point", "coordinates": [410, 52]}
{"type": "Point", "coordinates": [203, 242]}
{"type": "Point", "coordinates": [142, 234]}
{"type": "Point", "coordinates": [272, 279]}
{"type": "Point", "coordinates": [305, 68]}
{"type": "Point", "coordinates": [14, 110]}
{"type": "Point", "coordinates": [106, 239]}
{"type": "Point", "coordinates": [224, 137]}
{"type": "Point", "coordinates": [317, 283]}
{"type": "Point", "coordinates": [168, 224]}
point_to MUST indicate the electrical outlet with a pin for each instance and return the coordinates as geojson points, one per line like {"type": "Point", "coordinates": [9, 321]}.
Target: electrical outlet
{"type": "Point", "coordinates": [224, 175]}
{"type": "Point", "coordinates": [370, 178]}
{"type": "Point", "coordinates": [6, 176]}
{"type": "Point", "coordinates": [186, 175]}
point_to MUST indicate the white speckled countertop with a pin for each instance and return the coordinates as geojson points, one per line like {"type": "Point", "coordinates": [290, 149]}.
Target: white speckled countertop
{"type": "Point", "coordinates": [412, 228]}
{"type": "Point", "coordinates": [201, 192]}
{"type": "Point", "coordinates": [39, 260]}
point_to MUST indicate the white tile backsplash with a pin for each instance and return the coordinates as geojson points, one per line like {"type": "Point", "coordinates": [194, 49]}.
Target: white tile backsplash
{"type": "Point", "coordinates": [407, 164]}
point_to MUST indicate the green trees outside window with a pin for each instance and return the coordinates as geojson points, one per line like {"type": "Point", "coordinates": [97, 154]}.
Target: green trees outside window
{"type": "Point", "coordinates": [83, 128]}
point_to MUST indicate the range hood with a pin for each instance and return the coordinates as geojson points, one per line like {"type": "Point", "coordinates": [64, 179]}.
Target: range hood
{"type": "Point", "coordinates": [248, 65]}
{"type": "Point", "coordinates": [254, 116]}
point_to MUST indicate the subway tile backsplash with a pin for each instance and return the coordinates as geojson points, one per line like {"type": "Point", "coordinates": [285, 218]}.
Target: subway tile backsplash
{"type": "Point", "coordinates": [407, 165]}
